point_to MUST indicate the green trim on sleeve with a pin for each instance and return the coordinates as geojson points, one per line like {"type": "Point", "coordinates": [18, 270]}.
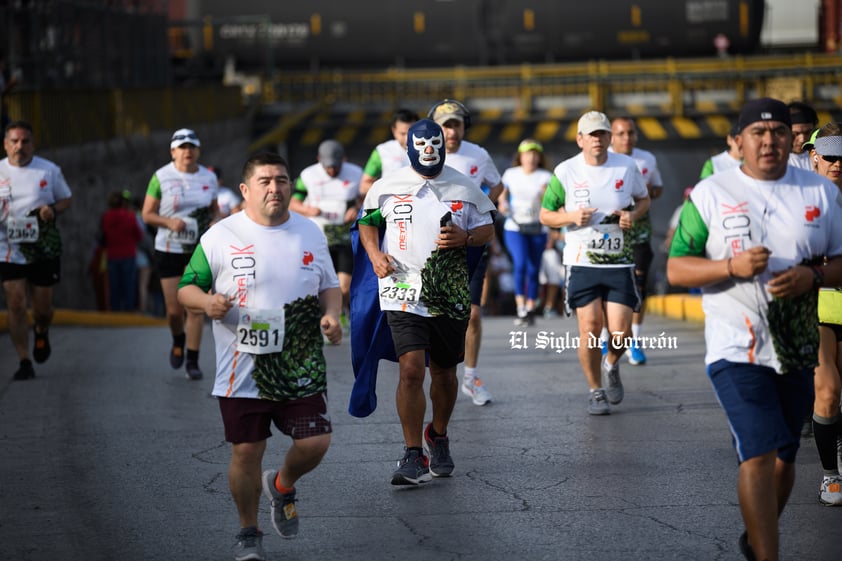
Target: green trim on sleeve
{"type": "Point", "coordinates": [707, 169]}
{"type": "Point", "coordinates": [198, 271]}
{"type": "Point", "coordinates": [300, 192]}
{"type": "Point", "coordinates": [154, 187]}
{"type": "Point", "coordinates": [372, 217]}
{"type": "Point", "coordinates": [554, 196]}
{"type": "Point", "coordinates": [374, 165]}
{"type": "Point", "coordinates": [691, 235]}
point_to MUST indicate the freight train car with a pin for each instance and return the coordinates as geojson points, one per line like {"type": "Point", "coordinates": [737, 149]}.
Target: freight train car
{"type": "Point", "coordinates": [370, 33]}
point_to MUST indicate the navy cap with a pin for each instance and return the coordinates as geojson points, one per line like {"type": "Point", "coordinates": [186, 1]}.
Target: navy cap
{"type": "Point", "coordinates": [764, 109]}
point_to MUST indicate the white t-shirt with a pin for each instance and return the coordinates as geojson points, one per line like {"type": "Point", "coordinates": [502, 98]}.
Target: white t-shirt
{"type": "Point", "coordinates": [22, 190]}
{"type": "Point", "coordinates": [330, 194]}
{"type": "Point", "coordinates": [474, 161]}
{"type": "Point", "coordinates": [180, 195]}
{"type": "Point", "coordinates": [525, 194]}
{"type": "Point", "coordinates": [801, 160]}
{"type": "Point", "coordinates": [723, 162]}
{"type": "Point", "coordinates": [267, 267]}
{"type": "Point", "coordinates": [392, 157]}
{"type": "Point", "coordinates": [798, 217]}
{"type": "Point", "coordinates": [412, 211]}
{"type": "Point", "coordinates": [609, 187]}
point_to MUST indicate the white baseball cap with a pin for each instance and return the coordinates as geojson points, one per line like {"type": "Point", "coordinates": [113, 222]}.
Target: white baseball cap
{"type": "Point", "coordinates": [593, 121]}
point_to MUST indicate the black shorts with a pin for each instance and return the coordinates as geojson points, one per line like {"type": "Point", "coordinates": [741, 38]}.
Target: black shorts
{"type": "Point", "coordinates": [442, 337]}
{"type": "Point", "coordinates": [171, 264]}
{"type": "Point", "coordinates": [478, 278]}
{"type": "Point", "coordinates": [43, 273]}
{"type": "Point", "coordinates": [611, 284]}
{"type": "Point", "coordinates": [249, 419]}
{"type": "Point", "coordinates": [342, 257]}
{"type": "Point", "coordinates": [643, 256]}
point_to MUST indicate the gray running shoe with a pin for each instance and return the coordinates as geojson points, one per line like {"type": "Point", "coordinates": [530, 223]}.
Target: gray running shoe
{"type": "Point", "coordinates": [830, 492]}
{"type": "Point", "coordinates": [284, 515]}
{"type": "Point", "coordinates": [249, 545]}
{"type": "Point", "coordinates": [192, 371]}
{"type": "Point", "coordinates": [612, 383]}
{"type": "Point", "coordinates": [413, 469]}
{"type": "Point", "coordinates": [598, 403]}
{"type": "Point", "coordinates": [441, 463]}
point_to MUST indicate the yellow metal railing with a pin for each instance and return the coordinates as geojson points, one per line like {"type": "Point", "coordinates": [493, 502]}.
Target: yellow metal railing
{"type": "Point", "coordinates": [679, 81]}
{"type": "Point", "coordinates": [63, 118]}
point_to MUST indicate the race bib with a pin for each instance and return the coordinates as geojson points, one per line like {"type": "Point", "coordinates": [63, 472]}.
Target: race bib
{"type": "Point", "coordinates": [333, 212]}
{"type": "Point", "coordinates": [606, 239]}
{"type": "Point", "coordinates": [22, 230]}
{"type": "Point", "coordinates": [398, 290]}
{"type": "Point", "coordinates": [190, 234]}
{"type": "Point", "coordinates": [523, 212]}
{"type": "Point", "coordinates": [260, 332]}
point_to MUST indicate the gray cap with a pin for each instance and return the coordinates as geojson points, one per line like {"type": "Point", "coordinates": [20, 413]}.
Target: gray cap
{"type": "Point", "coordinates": [331, 154]}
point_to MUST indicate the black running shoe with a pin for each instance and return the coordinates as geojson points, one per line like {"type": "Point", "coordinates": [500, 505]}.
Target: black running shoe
{"type": "Point", "coordinates": [41, 348]}
{"type": "Point", "coordinates": [745, 548]}
{"type": "Point", "coordinates": [25, 372]}
{"type": "Point", "coordinates": [176, 356]}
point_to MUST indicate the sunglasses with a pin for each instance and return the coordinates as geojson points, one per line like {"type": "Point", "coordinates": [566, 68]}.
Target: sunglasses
{"type": "Point", "coordinates": [832, 159]}
{"type": "Point", "coordinates": [191, 136]}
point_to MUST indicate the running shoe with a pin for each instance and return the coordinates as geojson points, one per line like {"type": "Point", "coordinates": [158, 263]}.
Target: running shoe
{"type": "Point", "coordinates": [521, 320]}
{"type": "Point", "coordinates": [635, 354]}
{"type": "Point", "coordinates": [41, 347]}
{"type": "Point", "coordinates": [475, 389]}
{"type": "Point", "coordinates": [603, 347]}
{"type": "Point", "coordinates": [550, 313]}
{"type": "Point", "coordinates": [530, 318]}
{"type": "Point", "coordinates": [413, 469]}
{"type": "Point", "coordinates": [830, 493]}
{"type": "Point", "coordinates": [284, 515]}
{"type": "Point", "coordinates": [249, 545]}
{"type": "Point", "coordinates": [598, 403]}
{"type": "Point", "coordinates": [438, 449]}
{"type": "Point", "coordinates": [192, 371]}
{"type": "Point", "coordinates": [612, 383]}
{"type": "Point", "coordinates": [176, 356]}
{"type": "Point", "coordinates": [25, 372]}
{"type": "Point", "coordinates": [745, 548]}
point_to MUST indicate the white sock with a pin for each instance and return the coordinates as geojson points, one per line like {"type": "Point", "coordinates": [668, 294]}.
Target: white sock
{"type": "Point", "coordinates": [603, 336]}
{"type": "Point", "coordinates": [636, 327]}
{"type": "Point", "coordinates": [470, 373]}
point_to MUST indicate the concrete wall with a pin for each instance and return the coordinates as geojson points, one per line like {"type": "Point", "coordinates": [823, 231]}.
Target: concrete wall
{"type": "Point", "coordinates": [95, 169]}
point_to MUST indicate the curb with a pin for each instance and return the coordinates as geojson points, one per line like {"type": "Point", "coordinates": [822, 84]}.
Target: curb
{"type": "Point", "coordinates": [684, 307]}
{"type": "Point", "coordinates": [95, 319]}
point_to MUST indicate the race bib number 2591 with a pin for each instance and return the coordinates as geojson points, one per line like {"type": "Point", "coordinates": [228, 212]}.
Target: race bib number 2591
{"type": "Point", "coordinates": [260, 332]}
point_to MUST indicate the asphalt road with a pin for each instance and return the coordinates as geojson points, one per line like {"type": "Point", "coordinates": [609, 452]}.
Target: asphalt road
{"type": "Point", "coordinates": [108, 454]}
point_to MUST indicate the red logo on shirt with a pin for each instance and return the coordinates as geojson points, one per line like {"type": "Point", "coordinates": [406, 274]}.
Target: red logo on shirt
{"type": "Point", "coordinates": [618, 184]}
{"type": "Point", "coordinates": [456, 205]}
{"type": "Point", "coordinates": [644, 171]}
{"type": "Point", "coordinates": [205, 187]}
{"type": "Point", "coordinates": [345, 184]}
{"type": "Point", "coordinates": [308, 258]}
{"type": "Point", "coordinates": [811, 213]}
{"type": "Point", "coordinates": [474, 170]}
{"type": "Point", "coordinates": [43, 183]}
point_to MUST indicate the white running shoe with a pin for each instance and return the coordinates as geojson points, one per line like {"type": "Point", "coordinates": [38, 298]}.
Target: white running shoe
{"type": "Point", "coordinates": [830, 492]}
{"type": "Point", "coordinates": [476, 391]}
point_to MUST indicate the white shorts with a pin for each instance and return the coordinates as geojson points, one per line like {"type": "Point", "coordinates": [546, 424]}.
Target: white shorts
{"type": "Point", "coordinates": [552, 271]}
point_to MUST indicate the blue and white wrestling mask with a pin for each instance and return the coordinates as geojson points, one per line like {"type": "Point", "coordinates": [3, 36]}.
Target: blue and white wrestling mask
{"type": "Point", "coordinates": [425, 147]}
